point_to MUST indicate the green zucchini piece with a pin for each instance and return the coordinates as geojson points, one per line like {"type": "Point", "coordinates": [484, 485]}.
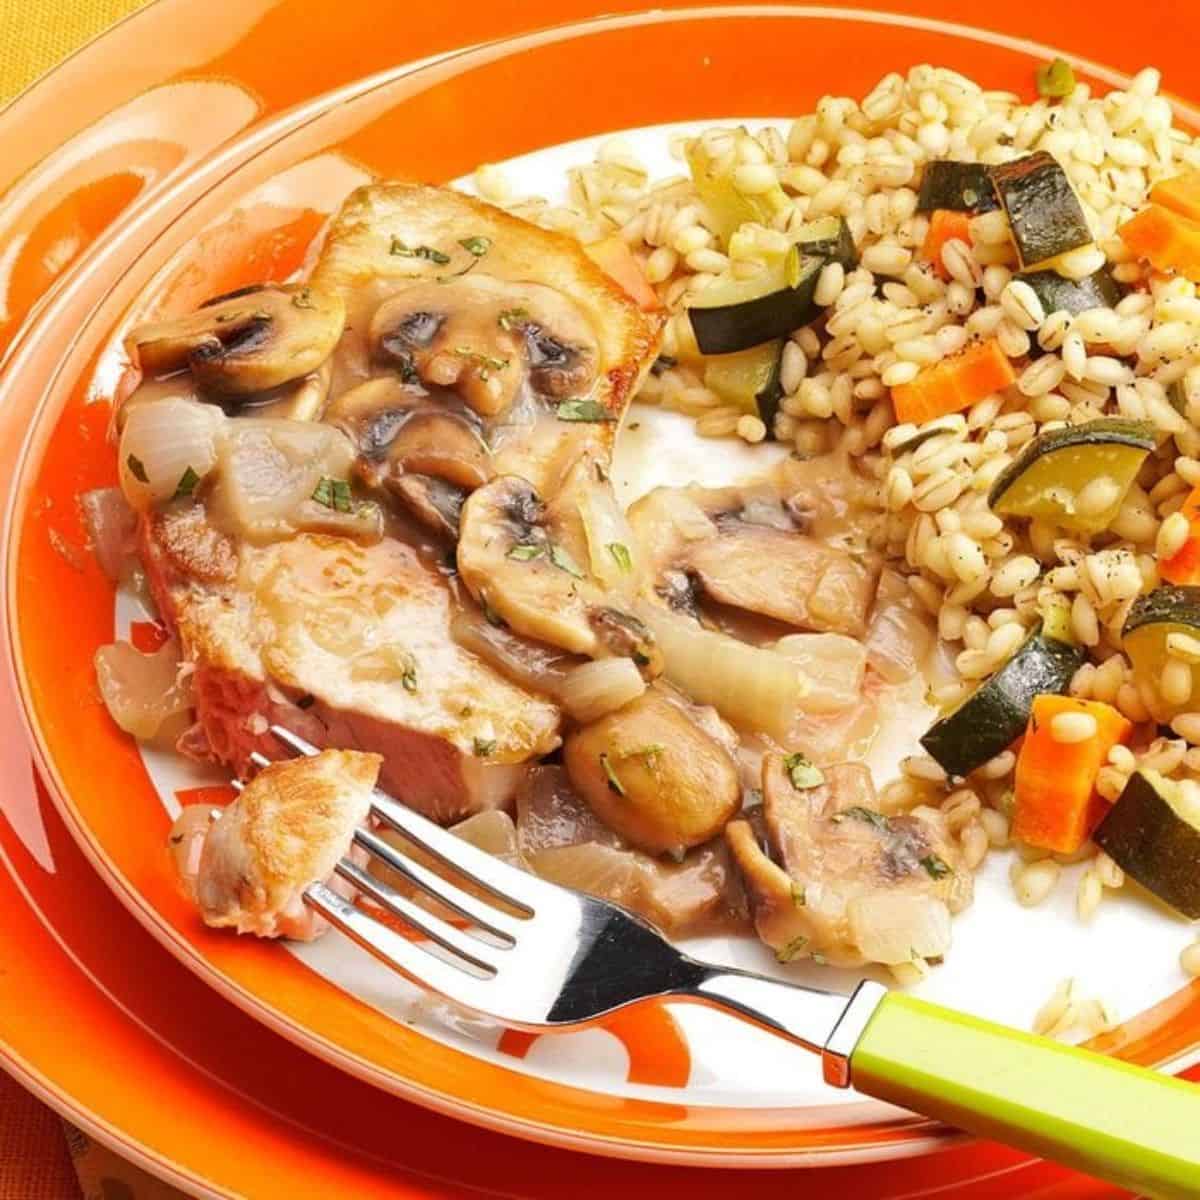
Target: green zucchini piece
{"type": "Point", "coordinates": [749, 379]}
{"type": "Point", "coordinates": [727, 207]}
{"type": "Point", "coordinates": [927, 431]}
{"type": "Point", "coordinates": [996, 713]}
{"type": "Point", "coordinates": [1099, 290]}
{"type": "Point", "coordinates": [1055, 467]}
{"type": "Point", "coordinates": [828, 238]}
{"type": "Point", "coordinates": [959, 186]}
{"type": "Point", "coordinates": [1055, 80]}
{"type": "Point", "coordinates": [1044, 213]}
{"type": "Point", "coordinates": [735, 314]}
{"type": "Point", "coordinates": [1153, 834]}
{"type": "Point", "coordinates": [1152, 619]}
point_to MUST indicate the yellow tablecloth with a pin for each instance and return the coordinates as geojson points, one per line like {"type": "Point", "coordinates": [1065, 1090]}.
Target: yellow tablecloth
{"type": "Point", "coordinates": [40, 1158]}
{"type": "Point", "coordinates": [35, 34]}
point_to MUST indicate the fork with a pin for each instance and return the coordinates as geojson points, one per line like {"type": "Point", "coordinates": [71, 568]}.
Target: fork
{"type": "Point", "coordinates": [540, 957]}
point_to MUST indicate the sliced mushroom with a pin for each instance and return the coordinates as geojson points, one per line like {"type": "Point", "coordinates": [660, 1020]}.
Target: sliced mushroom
{"type": "Point", "coordinates": [432, 501]}
{"type": "Point", "coordinates": [515, 563]}
{"type": "Point", "coordinates": [248, 342]}
{"type": "Point", "coordinates": [301, 400]}
{"type": "Point", "coordinates": [650, 772]}
{"type": "Point", "coordinates": [482, 336]}
{"type": "Point", "coordinates": [399, 429]}
{"type": "Point", "coordinates": [741, 547]}
{"type": "Point", "coordinates": [532, 564]}
{"type": "Point", "coordinates": [442, 444]}
{"type": "Point", "coordinates": [842, 880]}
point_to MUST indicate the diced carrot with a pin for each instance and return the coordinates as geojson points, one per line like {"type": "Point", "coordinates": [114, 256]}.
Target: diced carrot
{"type": "Point", "coordinates": [614, 257]}
{"type": "Point", "coordinates": [944, 225]}
{"type": "Point", "coordinates": [1056, 805]}
{"type": "Point", "coordinates": [1184, 565]}
{"type": "Point", "coordinates": [1180, 194]}
{"type": "Point", "coordinates": [954, 383]}
{"type": "Point", "coordinates": [1164, 238]}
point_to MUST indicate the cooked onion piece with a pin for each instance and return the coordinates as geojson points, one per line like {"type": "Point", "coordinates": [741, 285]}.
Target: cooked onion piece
{"type": "Point", "coordinates": [752, 687]}
{"type": "Point", "coordinates": [142, 691]}
{"type": "Point", "coordinates": [898, 927]}
{"type": "Point", "coordinates": [529, 663]}
{"type": "Point", "coordinates": [276, 478]}
{"type": "Point", "coordinates": [612, 551]}
{"type": "Point", "coordinates": [167, 446]}
{"type": "Point", "coordinates": [900, 636]}
{"type": "Point", "coordinates": [112, 529]}
{"type": "Point", "coordinates": [595, 688]}
{"type": "Point", "coordinates": [834, 665]}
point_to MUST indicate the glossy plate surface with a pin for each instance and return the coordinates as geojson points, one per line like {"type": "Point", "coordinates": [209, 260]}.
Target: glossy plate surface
{"type": "Point", "coordinates": [248, 209]}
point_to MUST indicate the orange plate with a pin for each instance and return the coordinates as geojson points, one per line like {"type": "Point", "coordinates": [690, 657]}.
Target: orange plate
{"type": "Point", "coordinates": [234, 103]}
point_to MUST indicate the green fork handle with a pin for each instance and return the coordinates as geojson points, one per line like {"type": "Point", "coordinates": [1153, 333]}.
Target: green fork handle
{"type": "Point", "coordinates": [1102, 1116]}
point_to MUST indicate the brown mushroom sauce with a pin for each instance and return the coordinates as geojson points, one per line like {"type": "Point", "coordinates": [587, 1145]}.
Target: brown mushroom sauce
{"type": "Point", "coordinates": [462, 418]}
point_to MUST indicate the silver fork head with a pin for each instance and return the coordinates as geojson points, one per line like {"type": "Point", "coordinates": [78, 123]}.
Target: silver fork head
{"type": "Point", "coordinates": [540, 956]}
{"type": "Point", "coordinates": [567, 959]}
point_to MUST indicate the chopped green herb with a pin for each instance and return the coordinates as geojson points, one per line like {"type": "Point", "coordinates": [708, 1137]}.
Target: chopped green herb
{"type": "Point", "coordinates": [477, 245]}
{"type": "Point", "coordinates": [406, 369]}
{"type": "Point", "coordinates": [791, 950]}
{"type": "Point", "coordinates": [334, 494]}
{"type": "Point", "coordinates": [564, 562]}
{"type": "Point", "coordinates": [820, 960]}
{"type": "Point", "coordinates": [303, 299]}
{"type": "Point", "coordinates": [137, 469]}
{"type": "Point", "coordinates": [490, 615]}
{"type": "Point", "coordinates": [802, 773]}
{"type": "Point", "coordinates": [513, 318]}
{"type": "Point", "coordinates": [484, 747]}
{"type": "Point", "coordinates": [409, 679]}
{"type": "Point", "coordinates": [426, 252]}
{"type": "Point", "coordinates": [649, 753]}
{"type": "Point", "coordinates": [621, 555]}
{"type": "Point", "coordinates": [526, 551]}
{"type": "Point", "coordinates": [187, 484]}
{"type": "Point", "coordinates": [935, 867]}
{"type": "Point", "coordinates": [799, 900]}
{"type": "Point", "coordinates": [1055, 80]}
{"type": "Point", "coordinates": [483, 362]}
{"type": "Point", "coordinates": [870, 816]}
{"type": "Point", "coordinates": [614, 784]}
{"type": "Point", "coordinates": [582, 410]}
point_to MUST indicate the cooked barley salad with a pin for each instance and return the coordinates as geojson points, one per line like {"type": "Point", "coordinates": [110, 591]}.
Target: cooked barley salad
{"type": "Point", "coordinates": [1083, 315]}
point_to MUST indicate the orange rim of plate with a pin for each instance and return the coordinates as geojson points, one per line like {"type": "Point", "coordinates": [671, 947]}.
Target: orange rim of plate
{"type": "Point", "coordinates": [53, 585]}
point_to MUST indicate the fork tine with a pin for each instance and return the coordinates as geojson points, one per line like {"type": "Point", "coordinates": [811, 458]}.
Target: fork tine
{"type": "Point", "coordinates": [498, 924]}
{"type": "Point", "coordinates": [506, 883]}
{"type": "Point", "coordinates": [411, 959]}
{"type": "Point", "coordinates": [426, 923]}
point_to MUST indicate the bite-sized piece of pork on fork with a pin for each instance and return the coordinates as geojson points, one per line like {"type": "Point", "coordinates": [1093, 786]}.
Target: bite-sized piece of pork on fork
{"type": "Point", "coordinates": [247, 866]}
